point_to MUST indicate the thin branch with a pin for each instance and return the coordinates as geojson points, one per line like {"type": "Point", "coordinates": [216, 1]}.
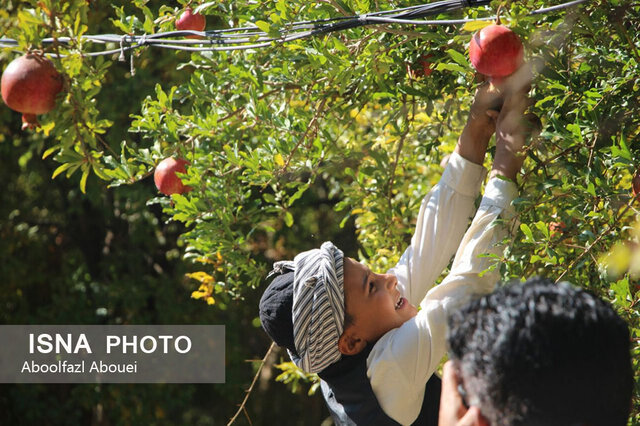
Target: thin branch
{"type": "Point", "coordinates": [549, 161]}
{"type": "Point", "coordinates": [102, 141]}
{"type": "Point", "coordinates": [244, 410]}
{"type": "Point", "coordinates": [597, 240]}
{"type": "Point", "coordinates": [336, 6]}
{"type": "Point", "coordinates": [398, 151]}
{"type": "Point", "coordinates": [255, 379]}
{"type": "Point", "coordinates": [634, 49]}
{"type": "Point", "coordinates": [592, 148]}
{"type": "Point", "coordinates": [241, 109]}
{"type": "Point", "coordinates": [319, 110]}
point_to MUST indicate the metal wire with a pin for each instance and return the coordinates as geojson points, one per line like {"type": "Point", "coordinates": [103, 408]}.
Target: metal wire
{"type": "Point", "coordinates": [251, 37]}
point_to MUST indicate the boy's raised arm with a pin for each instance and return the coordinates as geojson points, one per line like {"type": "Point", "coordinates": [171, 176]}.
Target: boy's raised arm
{"type": "Point", "coordinates": [445, 211]}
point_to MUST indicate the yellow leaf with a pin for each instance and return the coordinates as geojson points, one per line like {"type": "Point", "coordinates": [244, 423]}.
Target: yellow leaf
{"type": "Point", "coordinates": [47, 128]}
{"type": "Point", "coordinates": [61, 169]}
{"type": "Point", "coordinates": [422, 117]}
{"type": "Point", "coordinates": [83, 181]}
{"type": "Point", "coordinates": [279, 160]}
{"type": "Point", "coordinates": [474, 26]}
{"type": "Point", "coordinates": [50, 151]}
{"type": "Point", "coordinates": [203, 277]}
{"type": "Point", "coordinates": [204, 260]}
{"type": "Point", "coordinates": [197, 295]}
{"type": "Point", "coordinates": [618, 259]}
{"type": "Point", "coordinates": [210, 300]}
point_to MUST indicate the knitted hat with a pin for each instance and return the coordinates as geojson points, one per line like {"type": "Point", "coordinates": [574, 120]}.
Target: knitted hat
{"type": "Point", "coordinates": [275, 311]}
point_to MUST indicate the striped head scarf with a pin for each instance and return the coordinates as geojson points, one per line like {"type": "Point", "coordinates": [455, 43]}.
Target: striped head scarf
{"type": "Point", "coordinates": [318, 306]}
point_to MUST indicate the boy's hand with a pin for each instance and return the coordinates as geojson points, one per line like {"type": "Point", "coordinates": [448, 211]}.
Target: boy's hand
{"type": "Point", "coordinates": [512, 126]}
{"type": "Point", "coordinates": [486, 105]}
{"type": "Point", "coordinates": [473, 142]}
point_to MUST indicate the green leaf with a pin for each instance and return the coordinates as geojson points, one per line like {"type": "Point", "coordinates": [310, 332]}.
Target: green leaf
{"type": "Point", "coordinates": [451, 67]}
{"type": "Point", "coordinates": [624, 148]}
{"type": "Point", "coordinates": [269, 198]}
{"type": "Point", "coordinates": [621, 291]}
{"type": "Point", "coordinates": [61, 169]}
{"type": "Point", "coordinates": [527, 231]}
{"type": "Point", "coordinates": [264, 26]}
{"type": "Point", "coordinates": [288, 219]}
{"type": "Point", "coordinates": [458, 57]}
{"type": "Point", "coordinates": [297, 195]}
{"type": "Point", "coordinates": [473, 26]}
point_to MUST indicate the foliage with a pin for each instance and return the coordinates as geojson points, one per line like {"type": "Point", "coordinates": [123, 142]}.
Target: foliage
{"type": "Point", "coordinates": [293, 376]}
{"type": "Point", "coordinates": [288, 141]}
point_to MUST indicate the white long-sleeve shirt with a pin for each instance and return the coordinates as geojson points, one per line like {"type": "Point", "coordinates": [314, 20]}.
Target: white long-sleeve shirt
{"type": "Point", "coordinates": [402, 360]}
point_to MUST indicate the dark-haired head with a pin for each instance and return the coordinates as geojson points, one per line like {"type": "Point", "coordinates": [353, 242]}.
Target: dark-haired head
{"type": "Point", "coordinates": [539, 353]}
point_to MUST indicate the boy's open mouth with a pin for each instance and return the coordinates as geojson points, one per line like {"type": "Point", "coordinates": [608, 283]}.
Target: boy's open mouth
{"type": "Point", "coordinates": [400, 302]}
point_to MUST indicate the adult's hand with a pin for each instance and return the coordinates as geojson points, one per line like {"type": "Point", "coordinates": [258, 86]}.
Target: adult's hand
{"type": "Point", "coordinates": [453, 411]}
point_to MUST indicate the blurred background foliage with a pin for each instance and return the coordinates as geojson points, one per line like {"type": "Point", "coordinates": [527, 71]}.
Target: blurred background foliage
{"type": "Point", "coordinates": [331, 138]}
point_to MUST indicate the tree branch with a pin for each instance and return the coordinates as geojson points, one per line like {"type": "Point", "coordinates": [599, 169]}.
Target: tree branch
{"type": "Point", "coordinates": [242, 409]}
{"type": "Point", "coordinates": [398, 151]}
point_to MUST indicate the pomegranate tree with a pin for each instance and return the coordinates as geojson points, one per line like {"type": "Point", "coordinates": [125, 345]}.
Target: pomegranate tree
{"type": "Point", "coordinates": [496, 51]}
{"type": "Point", "coordinates": [191, 21]}
{"type": "Point", "coordinates": [30, 85]}
{"type": "Point", "coordinates": [165, 176]}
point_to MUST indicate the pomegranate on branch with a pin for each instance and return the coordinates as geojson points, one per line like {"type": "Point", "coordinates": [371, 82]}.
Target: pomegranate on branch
{"type": "Point", "coordinates": [165, 176]}
{"type": "Point", "coordinates": [496, 51]}
{"type": "Point", "coordinates": [557, 228]}
{"type": "Point", "coordinates": [191, 21]}
{"type": "Point", "coordinates": [30, 85]}
{"type": "Point", "coordinates": [424, 66]}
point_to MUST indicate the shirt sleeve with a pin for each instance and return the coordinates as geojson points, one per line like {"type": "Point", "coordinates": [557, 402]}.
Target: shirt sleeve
{"type": "Point", "coordinates": [404, 358]}
{"type": "Point", "coordinates": [442, 220]}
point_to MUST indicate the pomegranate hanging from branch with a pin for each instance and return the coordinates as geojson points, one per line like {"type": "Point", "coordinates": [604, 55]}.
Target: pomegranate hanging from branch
{"type": "Point", "coordinates": [30, 85]}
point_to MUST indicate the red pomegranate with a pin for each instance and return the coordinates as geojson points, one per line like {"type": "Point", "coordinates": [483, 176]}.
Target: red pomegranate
{"type": "Point", "coordinates": [496, 51]}
{"type": "Point", "coordinates": [557, 228]}
{"type": "Point", "coordinates": [425, 65]}
{"type": "Point", "coordinates": [165, 176]}
{"type": "Point", "coordinates": [191, 21]}
{"type": "Point", "coordinates": [30, 85]}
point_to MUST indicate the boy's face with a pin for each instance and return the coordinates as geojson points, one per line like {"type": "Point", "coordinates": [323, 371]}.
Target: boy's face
{"type": "Point", "coordinates": [373, 301]}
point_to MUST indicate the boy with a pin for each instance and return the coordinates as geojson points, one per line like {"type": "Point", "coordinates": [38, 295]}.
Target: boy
{"type": "Point", "coordinates": [361, 331]}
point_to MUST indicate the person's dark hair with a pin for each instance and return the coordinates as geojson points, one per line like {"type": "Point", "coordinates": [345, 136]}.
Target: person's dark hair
{"type": "Point", "coordinates": [539, 353]}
